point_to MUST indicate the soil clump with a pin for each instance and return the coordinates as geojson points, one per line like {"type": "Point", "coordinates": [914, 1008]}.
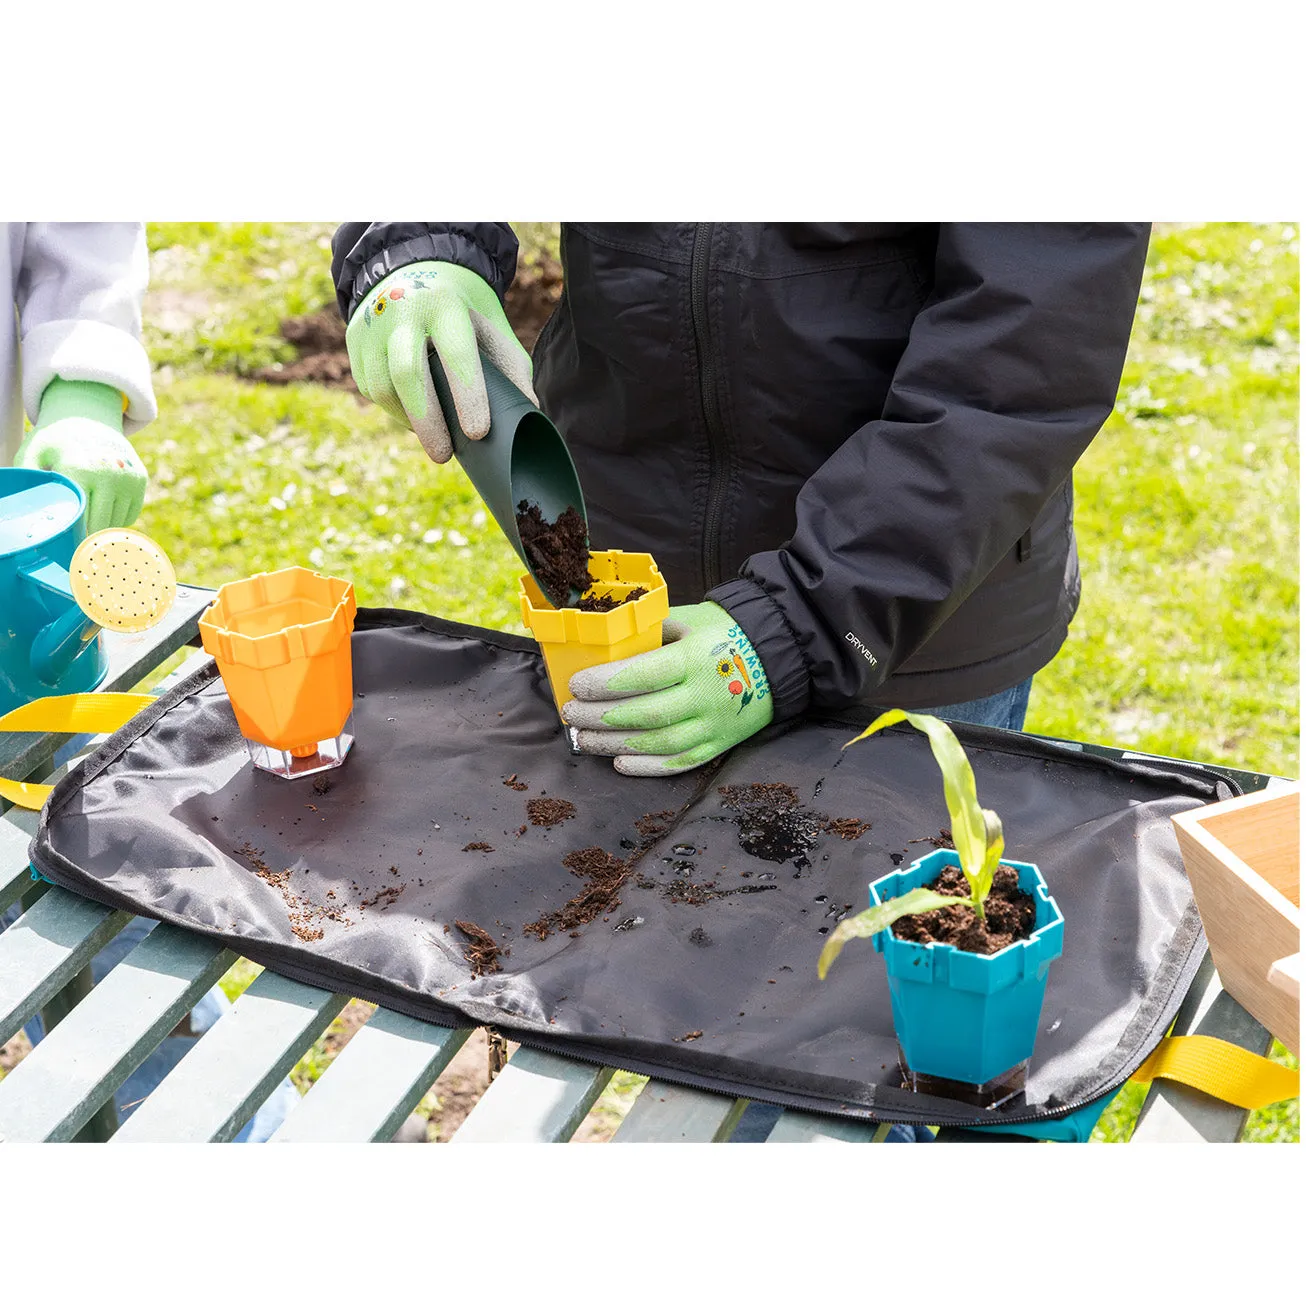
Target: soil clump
{"type": "Point", "coordinates": [549, 812]}
{"type": "Point", "coordinates": [604, 875]}
{"type": "Point", "coordinates": [847, 827]}
{"type": "Point", "coordinates": [653, 825]}
{"type": "Point", "coordinates": [382, 898]}
{"type": "Point", "coordinates": [1008, 915]}
{"type": "Point", "coordinates": [482, 953]}
{"type": "Point", "coordinates": [941, 840]}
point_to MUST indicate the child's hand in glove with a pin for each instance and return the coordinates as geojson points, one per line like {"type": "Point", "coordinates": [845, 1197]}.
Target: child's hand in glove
{"type": "Point", "coordinates": [78, 434]}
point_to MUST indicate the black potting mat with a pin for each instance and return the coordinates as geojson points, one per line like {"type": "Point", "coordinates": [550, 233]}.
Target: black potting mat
{"type": "Point", "coordinates": [704, 971]}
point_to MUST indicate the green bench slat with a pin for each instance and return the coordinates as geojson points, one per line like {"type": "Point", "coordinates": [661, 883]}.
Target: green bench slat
{"type": "Point", "coordinates": [82, 1062]}
{"type": "Point", "coordinates": [45, 948]}
{"type": "Point", "coordinates": [671, 1113]}
{"type": "Point", "coordinates": [1175, 1113]}
{"type": "Point", "coordinates": [222, 1081]}
{"type": "Point", "coordinates": [808, 1127]}
{"type": "Point", "coordinates": [372, 1086]}
{"type": "Point", "coordinates": [536, 1098]}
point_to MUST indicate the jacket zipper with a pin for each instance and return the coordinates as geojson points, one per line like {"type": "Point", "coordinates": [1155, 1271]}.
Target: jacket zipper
{"type": "Point", "coordinates": [708, 367]}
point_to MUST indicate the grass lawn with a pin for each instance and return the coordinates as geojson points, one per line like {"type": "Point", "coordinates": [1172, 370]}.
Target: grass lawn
{"type": "Point", "coordinates": [1186, 642]}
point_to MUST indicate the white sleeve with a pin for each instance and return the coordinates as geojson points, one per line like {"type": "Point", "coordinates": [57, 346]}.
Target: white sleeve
{"type": "Point", "coordinates": [79, 303]}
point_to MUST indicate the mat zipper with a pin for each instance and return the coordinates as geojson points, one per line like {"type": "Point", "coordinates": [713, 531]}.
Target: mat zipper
{"type": "Point", "coordinates": [419, 1008]}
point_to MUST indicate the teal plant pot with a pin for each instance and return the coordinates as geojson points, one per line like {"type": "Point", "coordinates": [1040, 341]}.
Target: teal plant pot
{"type": "Point", "coordinates": [966, 1023]}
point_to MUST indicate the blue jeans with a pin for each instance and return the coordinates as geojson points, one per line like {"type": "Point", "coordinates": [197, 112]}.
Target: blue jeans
{"type": "Point", "coordinates": [1006, 710]}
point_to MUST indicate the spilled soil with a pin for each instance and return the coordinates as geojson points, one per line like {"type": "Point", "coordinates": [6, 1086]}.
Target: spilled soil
{"type": "Point", "coordinates": [603, 874]}
{"type": "Point", "coordinates": [304, 914]}
{"type": "Point", "coordinates": [549, 812]}
{"type": "Point", "coordinates": [653, 825]}
{"type": "Point", "coordinates": [773, 823]}
{"type": "Point", "coordinates": [941, 840]}
{"type": "Point", "coordinates": [383, 897]}
{"type": "Point", "coordinates": [1008, 915]}
{"type": "Point", "coordinates": [482, 953]}
{"type": "Point", "coordinates": [847, 827]}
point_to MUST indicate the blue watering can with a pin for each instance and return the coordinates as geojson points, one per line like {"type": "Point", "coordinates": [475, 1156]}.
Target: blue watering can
{"type": "Point", "coordinates": [59, 588]}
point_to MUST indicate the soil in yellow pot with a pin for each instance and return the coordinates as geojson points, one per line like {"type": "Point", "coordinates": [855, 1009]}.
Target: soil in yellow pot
{"type": "Point", "coordinates": [572, 639]}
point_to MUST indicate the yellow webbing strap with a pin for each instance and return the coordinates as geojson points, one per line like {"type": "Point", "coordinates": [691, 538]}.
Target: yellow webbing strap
{"type": "Point", "coordinates": [1222, 1070]}
{"type": "Point", "coordinates": [65, 714]}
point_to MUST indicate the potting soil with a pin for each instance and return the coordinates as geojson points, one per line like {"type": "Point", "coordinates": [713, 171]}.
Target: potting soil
{"type": "Point", "coordinates": [1008, 915]}
{"type": "Point", "coordinates": [465, 868]}
{"type": "Point", "coordinates": [558, 551]}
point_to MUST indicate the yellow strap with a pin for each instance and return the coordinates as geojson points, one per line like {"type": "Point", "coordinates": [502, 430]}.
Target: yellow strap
{"type": "Point", "coordinates": [65, 714]}
{"type": "Point", "coordinates": [1222, 1070]}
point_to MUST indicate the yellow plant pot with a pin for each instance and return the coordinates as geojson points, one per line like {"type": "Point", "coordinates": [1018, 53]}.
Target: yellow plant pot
{"type": "Point", "coordinates": [572, 640]}
{"type": "Point", "coordinates": [281, 640]}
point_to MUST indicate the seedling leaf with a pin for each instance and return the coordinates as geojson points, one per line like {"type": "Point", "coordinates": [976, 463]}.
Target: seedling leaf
{"type": "Point", "coordinates": [958, 784]}
{"type": "Point", "coordinates": [874, 919]}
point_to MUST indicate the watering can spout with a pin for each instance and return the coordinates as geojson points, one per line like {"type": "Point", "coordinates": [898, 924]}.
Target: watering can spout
{"type": "Point", "coordinates": [523, 459]}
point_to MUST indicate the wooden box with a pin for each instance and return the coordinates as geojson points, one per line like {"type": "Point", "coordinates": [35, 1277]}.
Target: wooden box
{"type": "Point", "coordinates": [1243, 860]}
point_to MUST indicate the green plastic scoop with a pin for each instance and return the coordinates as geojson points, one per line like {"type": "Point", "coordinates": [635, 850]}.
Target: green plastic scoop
{"type": "Point", "coordinates": [523, 457]}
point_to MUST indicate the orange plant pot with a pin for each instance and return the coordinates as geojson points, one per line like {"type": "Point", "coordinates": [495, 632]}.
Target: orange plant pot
{"type": "Point", "coordinates": [572, 640]}
{"type": "Point", "coordinates": [281, 640]}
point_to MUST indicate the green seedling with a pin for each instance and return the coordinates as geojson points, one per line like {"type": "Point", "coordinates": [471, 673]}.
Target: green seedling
{"type": "Point", "coordinates": [976, 832]}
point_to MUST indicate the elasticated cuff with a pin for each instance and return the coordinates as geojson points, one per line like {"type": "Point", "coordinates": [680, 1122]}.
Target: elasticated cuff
{"type": "Point", "coordinates": [89, 351]}
{"type": "Point", "coordinates": [495, 266]}
{"type": "Point", "coordinates": [761, 618]}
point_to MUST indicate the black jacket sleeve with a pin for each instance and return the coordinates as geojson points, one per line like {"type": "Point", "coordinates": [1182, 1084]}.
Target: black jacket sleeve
{"type": "Point", "coordinates": [363, 253]}
{"type": "Point", "coordinates": [1010, 370]}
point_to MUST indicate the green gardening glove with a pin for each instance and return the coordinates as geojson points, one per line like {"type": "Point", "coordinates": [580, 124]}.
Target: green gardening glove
{"type": "Point", "coordinates": [677, 707]}
{"type": "Point", "coordinates": [460, 315]}
{"type": "Point", "coordinates": [78, 433]}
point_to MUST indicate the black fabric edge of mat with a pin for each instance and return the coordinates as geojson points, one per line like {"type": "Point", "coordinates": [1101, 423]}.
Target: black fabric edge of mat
{"type": "Point", "coordinates": [1170, 981]}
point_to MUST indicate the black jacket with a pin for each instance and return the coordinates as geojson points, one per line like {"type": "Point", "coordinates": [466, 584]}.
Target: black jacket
{"type": "Point", "coordinates": [857, 438]}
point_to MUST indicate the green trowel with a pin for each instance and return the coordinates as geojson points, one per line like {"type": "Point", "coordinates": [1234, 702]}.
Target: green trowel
{"type": "Point", "coordinates": [523, 457]}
